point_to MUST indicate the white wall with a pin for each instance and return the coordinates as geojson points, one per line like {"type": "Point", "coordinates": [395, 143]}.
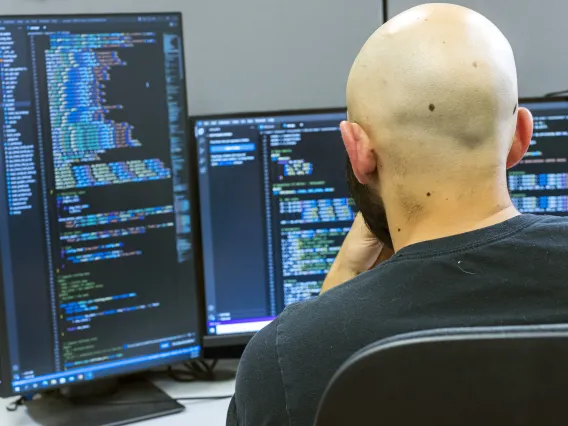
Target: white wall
{"type": "Point", "coordinates": [537, 30]}
{"type": "Point", "coordinates": [248, 55]}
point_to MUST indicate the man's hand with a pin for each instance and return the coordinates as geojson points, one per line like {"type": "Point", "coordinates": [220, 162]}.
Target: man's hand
{"type": "Point", "coordinates": [360, 252]}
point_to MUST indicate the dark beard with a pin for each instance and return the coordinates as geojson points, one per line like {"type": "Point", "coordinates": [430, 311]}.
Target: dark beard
{"type": "Point", "coordinates": [371, 207]}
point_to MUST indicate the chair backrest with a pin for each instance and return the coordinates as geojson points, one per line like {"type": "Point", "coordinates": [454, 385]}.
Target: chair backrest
{"type": "Point", "coordinates": [482, 376]}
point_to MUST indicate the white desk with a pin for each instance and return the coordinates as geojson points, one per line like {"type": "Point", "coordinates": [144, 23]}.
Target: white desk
{"type": "Point", "coordinates": [197, 413]}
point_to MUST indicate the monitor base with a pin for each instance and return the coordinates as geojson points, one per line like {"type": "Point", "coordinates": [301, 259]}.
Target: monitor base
{"type": "Point", "coordinates": [102, 404]}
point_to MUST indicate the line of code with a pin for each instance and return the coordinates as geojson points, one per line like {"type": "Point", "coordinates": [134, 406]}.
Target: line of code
{"type": "Point", "coordinates": [114, 217]}
{"type": "Point", "coordinates": [310, 251]}
{"type": "Point", "coordinates": [314, 211]}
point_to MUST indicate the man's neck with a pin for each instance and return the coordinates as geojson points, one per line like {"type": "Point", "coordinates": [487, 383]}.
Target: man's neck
{"type": "Point", "coordinates": [444, 216]}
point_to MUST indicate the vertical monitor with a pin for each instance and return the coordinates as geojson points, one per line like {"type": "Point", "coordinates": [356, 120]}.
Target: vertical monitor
{"type": "Point", "coordinates": [274, 212]}
{"type": "Point", "coordinates": [96, 244]}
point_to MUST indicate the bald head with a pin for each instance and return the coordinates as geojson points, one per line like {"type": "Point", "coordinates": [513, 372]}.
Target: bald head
{"type": "Point", "coordinates": [432, 96]}
{"type": "Point", "coordinates": [436, 71]}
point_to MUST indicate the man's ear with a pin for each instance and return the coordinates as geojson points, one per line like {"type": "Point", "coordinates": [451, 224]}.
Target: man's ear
{"type": "Point", "coordinates": [358, 147]}
{"type": "Point", "coordinates": [523, 137]}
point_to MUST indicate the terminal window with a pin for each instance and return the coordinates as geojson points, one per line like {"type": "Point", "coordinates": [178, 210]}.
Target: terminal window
{"type": "Point", "coordinates": [96, 237]}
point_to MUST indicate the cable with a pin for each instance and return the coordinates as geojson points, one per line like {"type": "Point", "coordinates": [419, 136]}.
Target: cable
{"type": "Point", "coordinates": [385, 11]}
{"type": "Point", "coordinates": [14, 405]}
{"type": "Point", "coordinates": [181, 375]}
{"type": "Point", "coordinates": [202, 367]}
{"type": "Point", "coordinates": [194, 370]}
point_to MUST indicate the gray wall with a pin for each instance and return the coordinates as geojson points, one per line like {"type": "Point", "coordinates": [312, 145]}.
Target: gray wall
{"type": "Point", "coordinates": [247, 55]}
{"type": "Point", "coordinates": [538, 32]}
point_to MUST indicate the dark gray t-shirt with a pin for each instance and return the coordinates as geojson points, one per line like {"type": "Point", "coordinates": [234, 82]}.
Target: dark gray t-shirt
{"type": "Point", "coordinates": [512, 273]}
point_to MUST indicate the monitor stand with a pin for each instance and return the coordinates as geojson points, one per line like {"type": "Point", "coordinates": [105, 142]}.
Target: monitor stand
{"type": "Point", "coordinates": [102, 403]}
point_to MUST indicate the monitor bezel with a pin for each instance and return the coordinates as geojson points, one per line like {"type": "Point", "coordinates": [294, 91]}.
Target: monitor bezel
{"type": "Point", "coordinates": [6, 389]}
{"type": "Point", "coordinates": [217, 342]}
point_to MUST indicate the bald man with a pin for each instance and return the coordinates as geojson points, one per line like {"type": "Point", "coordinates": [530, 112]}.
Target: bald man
{"type": "Point", "coordinates": [434, 123]}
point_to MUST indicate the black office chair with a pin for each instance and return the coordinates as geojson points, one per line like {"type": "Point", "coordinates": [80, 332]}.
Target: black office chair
{"type": "Point", "coordinates": [486, 376]}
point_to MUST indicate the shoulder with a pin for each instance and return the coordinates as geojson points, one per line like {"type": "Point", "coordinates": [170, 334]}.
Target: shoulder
{"type": "Point", "coordinates": [354, 290]}
{"type": "Point", "coordinates": [259, 382]}
{"type": "Point", "coordinates": [327, 329]}
{"type": "Point", "coordinates": [545, 231]}
{"type": "Point", "coordinates": [304, 318]}
{"type": "Point", "coordinates": [550, 222]}
{"type": "Point", "coordinates": [268, 371]}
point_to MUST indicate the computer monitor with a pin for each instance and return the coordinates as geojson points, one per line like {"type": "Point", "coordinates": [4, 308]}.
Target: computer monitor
{"type": "Point", "coordinates": [96, 242]}
{"type": "Point", "coordinates": [539, 183]}
{"type": "Point", "coordinates": [274, 208]}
